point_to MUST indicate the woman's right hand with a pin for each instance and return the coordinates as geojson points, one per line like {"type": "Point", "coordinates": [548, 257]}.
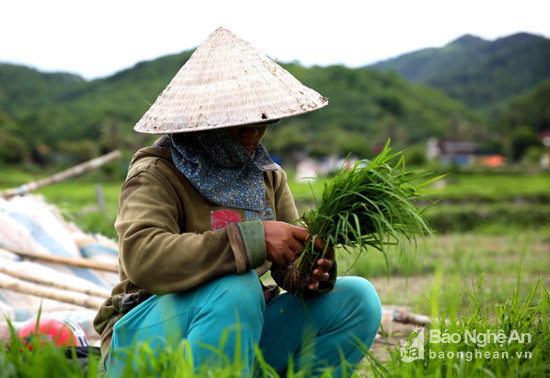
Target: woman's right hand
{"type": "Point", "coordinates": [283, 241]}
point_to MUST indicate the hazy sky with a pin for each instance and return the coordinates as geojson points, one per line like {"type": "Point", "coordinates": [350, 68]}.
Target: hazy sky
{"type": "Point", "coordinates": [97, 38]}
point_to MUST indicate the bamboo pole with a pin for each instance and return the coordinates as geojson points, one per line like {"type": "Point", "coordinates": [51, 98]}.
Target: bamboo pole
{"type": "Point", "coordinates": [96, 292]}
{"type": "Point", "coordinates": [404, 316]}
{"type": "Point", "coordinates": [14, 284]}
{"type": "Point", "coordinates": [71, 261]}
{"type": "Point", "coordinates": [63, 175]}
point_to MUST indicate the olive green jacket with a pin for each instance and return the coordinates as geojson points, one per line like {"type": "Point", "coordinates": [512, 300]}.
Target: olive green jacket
{"type": "Point", "coordinates": [171, 239]}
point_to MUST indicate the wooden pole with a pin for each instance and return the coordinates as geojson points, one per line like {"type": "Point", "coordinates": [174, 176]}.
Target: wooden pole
{"type": "Point", "coordinates": [100, 198]}
{"type": "Point", "coordinates": [96, 292]}
{"type": "Point", "coordinates": [71, 261]}
{"type": "Point", "coordinates": [404, 316]}
{"type": "Point", "coordinates": [63, 175]}
{"type": "Point", "coordinates": [9, 283]}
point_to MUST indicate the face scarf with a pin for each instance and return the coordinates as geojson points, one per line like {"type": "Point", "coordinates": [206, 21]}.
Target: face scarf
{"type": "Point", "coordinates": [221, 169]}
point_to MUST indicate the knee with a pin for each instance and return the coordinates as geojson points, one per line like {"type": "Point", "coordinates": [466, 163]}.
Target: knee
{"type": "Point", "coordinates": [362, 299]}
{"type": "Point", "coordinates": [241, 293]}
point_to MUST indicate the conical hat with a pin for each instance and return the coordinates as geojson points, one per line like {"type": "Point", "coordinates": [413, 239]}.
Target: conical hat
{"type": "Point", "coordinates": [227, 82]}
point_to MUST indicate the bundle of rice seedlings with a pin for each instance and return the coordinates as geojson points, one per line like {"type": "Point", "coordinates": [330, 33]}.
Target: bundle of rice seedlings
{"type": "Point", "coordinates": [371, 204]}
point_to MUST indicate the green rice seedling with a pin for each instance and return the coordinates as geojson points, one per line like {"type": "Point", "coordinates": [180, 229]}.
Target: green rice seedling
{"type": "Point", "coordinates": [509, 339]}
{"type": "Point", "coordinates": [372, 204]}
{"type": "Point", "coordinates": [144, 359]}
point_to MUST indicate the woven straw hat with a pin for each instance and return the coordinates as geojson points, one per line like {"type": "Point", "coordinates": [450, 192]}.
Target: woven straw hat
{"type": "Point", "coordinates": [227, 82]}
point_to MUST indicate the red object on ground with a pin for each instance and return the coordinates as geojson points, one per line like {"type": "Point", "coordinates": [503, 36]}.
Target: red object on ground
{"type": "Point", "coordinates": [63, 333]}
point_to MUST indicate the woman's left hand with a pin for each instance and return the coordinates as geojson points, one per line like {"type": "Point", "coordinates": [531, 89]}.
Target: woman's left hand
{"type": "Point", "coordinates": [324, 265]}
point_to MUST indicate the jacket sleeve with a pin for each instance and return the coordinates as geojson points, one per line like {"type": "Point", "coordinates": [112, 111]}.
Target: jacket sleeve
{"type": "Point", "coordinates": [153, 252]}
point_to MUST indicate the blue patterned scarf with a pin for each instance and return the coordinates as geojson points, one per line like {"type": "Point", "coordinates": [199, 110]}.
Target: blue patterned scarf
{"type": "Point", "coordinates": [221, 169]}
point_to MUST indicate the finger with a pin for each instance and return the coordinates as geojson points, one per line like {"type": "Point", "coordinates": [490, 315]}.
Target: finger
{"type": "Point", "coordinates": [289, 256]}
{"type": "Point", "coordinates": [280, 260]}
{"type": "Point", "coordinates": [325, 264]}
{"type": "Point", "coordinates": [299, 233]}
{"type": "Point", "coordinates": [320, 275]}
{"type": "Point", "coordinates": [314, 285]}
{"type": "Point", "coordinates": [321, 244]}
{"type": "Point", "coordinates": [296, 246]}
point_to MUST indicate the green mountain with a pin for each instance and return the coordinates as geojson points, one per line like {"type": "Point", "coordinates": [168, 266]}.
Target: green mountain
{"type": "Point", "coordinates": [23, 88]}
{"type": "Point", "coordinates": [482, 74]}
{"type": "Point", "coordinates": [62, 118]}
{"type": "Point", "coordinates": [531, 108]}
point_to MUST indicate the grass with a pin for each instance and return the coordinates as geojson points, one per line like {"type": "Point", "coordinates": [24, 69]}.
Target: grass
{"type": "Point", "coordinates": [492, 188]}
{"type": "Point", "coordinates": [466, 217]}
{"type": "Point", "coordinates": [78, 202]}
{"type": "Point", "coordinates": [478, 351]}
{"type": "Point", "coordinates": [440, 280]}
{"type": "Point", "coordinates": [509, 339]}
{"type": "Point", "coordinates": [462, 258]}
{"type": "Point", "coordinates": [40, 358]}
{"type": "Point", "coordinates": [466, 201]}
{"type": "Point", "coordinates": [76, 198]}
{"type": "Point", "coordinates": [458, 187]}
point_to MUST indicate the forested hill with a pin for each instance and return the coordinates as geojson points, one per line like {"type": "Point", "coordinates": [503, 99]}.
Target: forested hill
{"type": "Point", "coordinates": [62, 118]}
{"type": "Point", "coordinates": [480, 73]}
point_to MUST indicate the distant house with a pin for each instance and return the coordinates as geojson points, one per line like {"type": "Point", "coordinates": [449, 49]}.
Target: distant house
{"type": "Point", "coordinates": [308, 169]}
{"type": "Point", "coordinates": [461, 153]}
{"type": "Point", "coordinates": [451, 152]}
{"type": "Point", "coordinates": [493, 160]}
{"type": "Point", "coordinates": [545, 137]}
{"type": "Point", "coordinates": [545, 158]}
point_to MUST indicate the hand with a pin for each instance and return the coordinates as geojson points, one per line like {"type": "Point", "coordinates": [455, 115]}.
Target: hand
{"type": "Point", "coordinates": [324, 265]}
{"type": "Point", "coordinates": [283, 241]}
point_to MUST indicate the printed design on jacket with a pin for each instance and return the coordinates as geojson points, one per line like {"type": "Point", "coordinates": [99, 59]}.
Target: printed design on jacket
{"type": "Point", "coordinates": [221, 218]}
{"type": "Point", "coordinates": [266, 214]}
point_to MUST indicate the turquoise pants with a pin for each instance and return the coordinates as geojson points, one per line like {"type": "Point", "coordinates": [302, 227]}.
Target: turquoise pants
{"type": "Point", "coordinates": [317, 332]}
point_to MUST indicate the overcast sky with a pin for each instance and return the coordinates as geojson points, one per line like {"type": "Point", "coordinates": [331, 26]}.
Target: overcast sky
{"type": "Point", "coordinates": [100, 37]}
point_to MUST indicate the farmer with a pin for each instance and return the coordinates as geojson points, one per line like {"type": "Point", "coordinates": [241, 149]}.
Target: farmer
{"type": "Point", "coordinates": [205, 211]}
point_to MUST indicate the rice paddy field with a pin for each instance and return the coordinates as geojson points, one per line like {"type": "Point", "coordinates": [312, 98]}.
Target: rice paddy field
{"type": "Point", "coordinates": [484, 272]}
